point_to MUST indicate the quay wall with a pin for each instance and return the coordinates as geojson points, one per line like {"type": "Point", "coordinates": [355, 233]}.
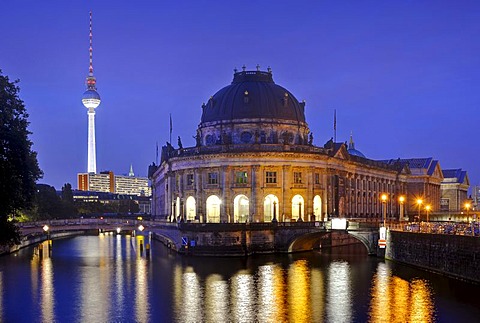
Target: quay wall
{"type": "Point", "coordinates": [452, 255]}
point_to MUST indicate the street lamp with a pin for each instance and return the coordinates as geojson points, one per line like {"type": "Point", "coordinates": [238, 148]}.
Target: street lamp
{"type": "Point", "coordinates": [467, 207]}
{"type": "Point", "coordinates": [383, 197]}
{"type": "Point", "coordinates": [401, 199]}
{"type": "Point", "coordinates": [419, 203]}
{"type": "Point", "coordinates": [427, 208]}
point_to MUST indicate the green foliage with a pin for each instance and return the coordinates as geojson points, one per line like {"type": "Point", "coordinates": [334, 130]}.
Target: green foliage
{"type": "Point", "coordinates": [18, 163]}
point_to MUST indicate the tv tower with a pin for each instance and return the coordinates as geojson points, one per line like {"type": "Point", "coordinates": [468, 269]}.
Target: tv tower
{"type": "Point", "coordinates": [91, 100]}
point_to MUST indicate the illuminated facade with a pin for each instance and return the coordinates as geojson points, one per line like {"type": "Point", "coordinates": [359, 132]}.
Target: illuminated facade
{"type": "Point", "coordinates": [109, 182]}
{"type": "Point", "coordinates": [254, 160]}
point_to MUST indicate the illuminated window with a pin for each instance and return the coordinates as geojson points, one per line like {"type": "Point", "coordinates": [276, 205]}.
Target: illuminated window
{"type": "Point", "coordinates": [297, 177]}
{"type": "Point", "coordinates": [241, 177]}
{"type": "Point", "coordinates": [190, 179]}
{"type": "Point", "coordinates": [212, 178]}
{"type": "Point", "coordinates": [271, 177]}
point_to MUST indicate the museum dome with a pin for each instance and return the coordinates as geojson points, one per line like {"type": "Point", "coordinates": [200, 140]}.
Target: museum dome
{"type": "Point", "coordinates": [253, 95]}
{"type": "Point", "coordinates": [351, 149]}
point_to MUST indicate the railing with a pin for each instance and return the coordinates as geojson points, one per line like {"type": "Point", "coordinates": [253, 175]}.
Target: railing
{"type": "Point", "coordinates": [447, 228]}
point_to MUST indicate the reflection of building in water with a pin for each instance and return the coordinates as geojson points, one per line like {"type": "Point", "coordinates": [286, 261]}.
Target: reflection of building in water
{"type": "Point", "coordinates": [396, 300]}
{"type": "Point", "coordinates": [254, 160]}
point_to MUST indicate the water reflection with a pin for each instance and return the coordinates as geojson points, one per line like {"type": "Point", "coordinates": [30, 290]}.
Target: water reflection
{"type": "Point", "coordinates": [216, 299]}
{"type": "Point", "coordinates": [339, 302]}
{"type": "Point", "coordinates": [396, 300]}
{"type": "Point", "coordinates": [106, 279]}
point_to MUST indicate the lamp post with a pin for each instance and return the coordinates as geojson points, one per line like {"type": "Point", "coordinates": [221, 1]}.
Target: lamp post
{"type": "Point", "coordinates": [428, 208]}
{"type": "Point", "coordinates": [401, 199]}
{"type": "Point", "coordinates": [419, 203]}
{"type": "Point", "coordinates": [467, 207]}
{"type": "Point", "coordinates": [384, 206]}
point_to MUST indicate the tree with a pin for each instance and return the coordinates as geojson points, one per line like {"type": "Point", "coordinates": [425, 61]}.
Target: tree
{"type": "Point", "coordinates": [18, 163]}
{"type": "Point", "coordinates": [67, 199]}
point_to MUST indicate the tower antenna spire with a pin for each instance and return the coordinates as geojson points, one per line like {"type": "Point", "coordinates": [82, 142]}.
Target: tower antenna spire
{"type": "Point", "coordinates": [90, 69]}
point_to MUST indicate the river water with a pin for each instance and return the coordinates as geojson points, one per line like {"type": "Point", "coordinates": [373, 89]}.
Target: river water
{"type": "Point", "coordinates": [108, 278]}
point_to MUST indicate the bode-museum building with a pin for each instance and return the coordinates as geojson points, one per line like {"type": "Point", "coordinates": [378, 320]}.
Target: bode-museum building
{"type": "Point", "coordinates": [255, 161]}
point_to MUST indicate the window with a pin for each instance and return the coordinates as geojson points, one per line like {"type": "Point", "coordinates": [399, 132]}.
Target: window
{"type": "Point", "coordinates": [212, 178]}
{"type": "Point", "coordinates": [297, 177]}
{"type": "Point", "coordinates": [241, 177]}
{"type": "Point", "coordinates": [317, 178]}
{"type": "Point", "coordinates": [271, 177]}
{"type": "Point", "coordinates": [190, 180]}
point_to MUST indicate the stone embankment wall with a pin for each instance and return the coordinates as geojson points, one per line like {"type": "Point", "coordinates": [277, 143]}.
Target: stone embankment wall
{"type": "Point", "coordinates": [452, 255]}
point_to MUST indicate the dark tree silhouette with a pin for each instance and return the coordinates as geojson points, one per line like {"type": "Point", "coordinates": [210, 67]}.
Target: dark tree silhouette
{"type": "Point", "coordinates": [18, 163]}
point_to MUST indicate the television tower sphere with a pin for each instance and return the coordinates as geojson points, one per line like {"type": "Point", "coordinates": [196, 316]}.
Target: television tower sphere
{"type": "Point", "coordinates": [91, 99]}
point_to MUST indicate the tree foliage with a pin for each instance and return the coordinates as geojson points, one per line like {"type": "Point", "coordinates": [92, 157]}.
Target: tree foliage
{"type": "Point", "coordinates": [19, 168]}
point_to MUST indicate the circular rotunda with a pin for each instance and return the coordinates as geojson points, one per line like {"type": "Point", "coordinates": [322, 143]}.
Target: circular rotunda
{"type": "Point", "coordinates": [254, 161]}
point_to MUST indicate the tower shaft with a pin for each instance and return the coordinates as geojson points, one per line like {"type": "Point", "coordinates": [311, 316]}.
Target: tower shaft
{"type": "Point", "coordinates": [92, 155]}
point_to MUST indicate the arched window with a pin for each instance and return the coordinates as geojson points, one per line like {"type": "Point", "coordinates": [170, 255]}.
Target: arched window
{"type": "Point", "coordinates": [317, 208]}
{"type": "Point", "coordinates": [270, 207]}
{"type": "Point", "coordinates": [298, 207]}
{"type": "Point", "coordinates": [240, 208]}
{"type": "Point", "coordinates": [213, 209]}
{"type": "Point", "coordinates": [191, 208]}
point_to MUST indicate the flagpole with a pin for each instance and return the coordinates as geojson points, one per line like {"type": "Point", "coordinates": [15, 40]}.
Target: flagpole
{"type": "Point", "coordinates": [170, 128]}
{"type": "Point", "coordinates": [335, 125]}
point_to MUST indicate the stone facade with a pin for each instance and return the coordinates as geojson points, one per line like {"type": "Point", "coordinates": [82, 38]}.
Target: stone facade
{"type": "Point", "coordinates": [254, 161]}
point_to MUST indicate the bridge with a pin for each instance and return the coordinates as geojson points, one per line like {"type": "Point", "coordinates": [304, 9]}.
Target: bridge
{"type": "Point", "coordinates": [217, 238]}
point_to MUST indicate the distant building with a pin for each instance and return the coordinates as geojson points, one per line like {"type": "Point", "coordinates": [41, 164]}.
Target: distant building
{"type": "Point", "coordinates": [109, 182]}
{"type": "Point", "coordinates": [454, 188]}
{"type": "Point", "coordinates": [144, 203]}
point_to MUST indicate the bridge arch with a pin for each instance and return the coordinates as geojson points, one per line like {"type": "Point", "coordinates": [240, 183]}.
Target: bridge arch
{"type": "Point", "coordinates": [310, 241]}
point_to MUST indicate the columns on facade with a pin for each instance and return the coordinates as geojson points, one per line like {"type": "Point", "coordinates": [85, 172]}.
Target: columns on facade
{"type": "Point", "coordinates": [286, 199]}
{"type": "Point", "coordinates": [226, 213]}
{"type": "Point", "coordinates": [309, 198]}
{"type": "Point", "coordinates": [255, 205]}
{"type": "Point", "coordinates": [199, 196]}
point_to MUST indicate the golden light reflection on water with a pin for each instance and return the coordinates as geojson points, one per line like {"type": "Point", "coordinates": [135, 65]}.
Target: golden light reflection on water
{"type": "Point", "coordinates": [298, 291]}
{"type": "Point", "coordinates": [271, 294]}
{"type": "Point", "coordinates": [396, 300]}
{"type": "Point", "coordinates": [47, 291]}
{"type": "Point", "coordinates": [317, 292]}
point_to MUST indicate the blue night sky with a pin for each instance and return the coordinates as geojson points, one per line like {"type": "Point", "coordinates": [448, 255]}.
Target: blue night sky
{"type": "Point", "coordinates": [404, 76]}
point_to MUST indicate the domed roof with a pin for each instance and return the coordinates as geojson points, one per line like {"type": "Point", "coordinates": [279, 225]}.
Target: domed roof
{"type": "Point", "coordinates": [90, 94]}
{"type": "Point", "coordinates": [252, 95]}
{"type": "Point", "coordinates": [351, 149]}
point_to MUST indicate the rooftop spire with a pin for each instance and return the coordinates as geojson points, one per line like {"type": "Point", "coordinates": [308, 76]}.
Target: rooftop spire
{"type": "Point", "coordinates": [351, 144]}
{"type": "Point", "coordinates": [131, 173]}
{"type": "Point", "coordinates": [91, 81]}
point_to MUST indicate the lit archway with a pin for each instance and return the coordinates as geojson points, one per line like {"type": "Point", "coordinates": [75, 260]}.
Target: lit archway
{"type": "Point", "coordinates": [317, 208]}
{"type": "Point", "coordinates": [213, 209]}
{"type": "Point", "coordinates": [270, 207]}
{"type": "Point", "coordinates": [191, 208]}
{"type": "Point", "coordinates": [240, 208]}
{"type": "Point", "coordinates": [298, 206]}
